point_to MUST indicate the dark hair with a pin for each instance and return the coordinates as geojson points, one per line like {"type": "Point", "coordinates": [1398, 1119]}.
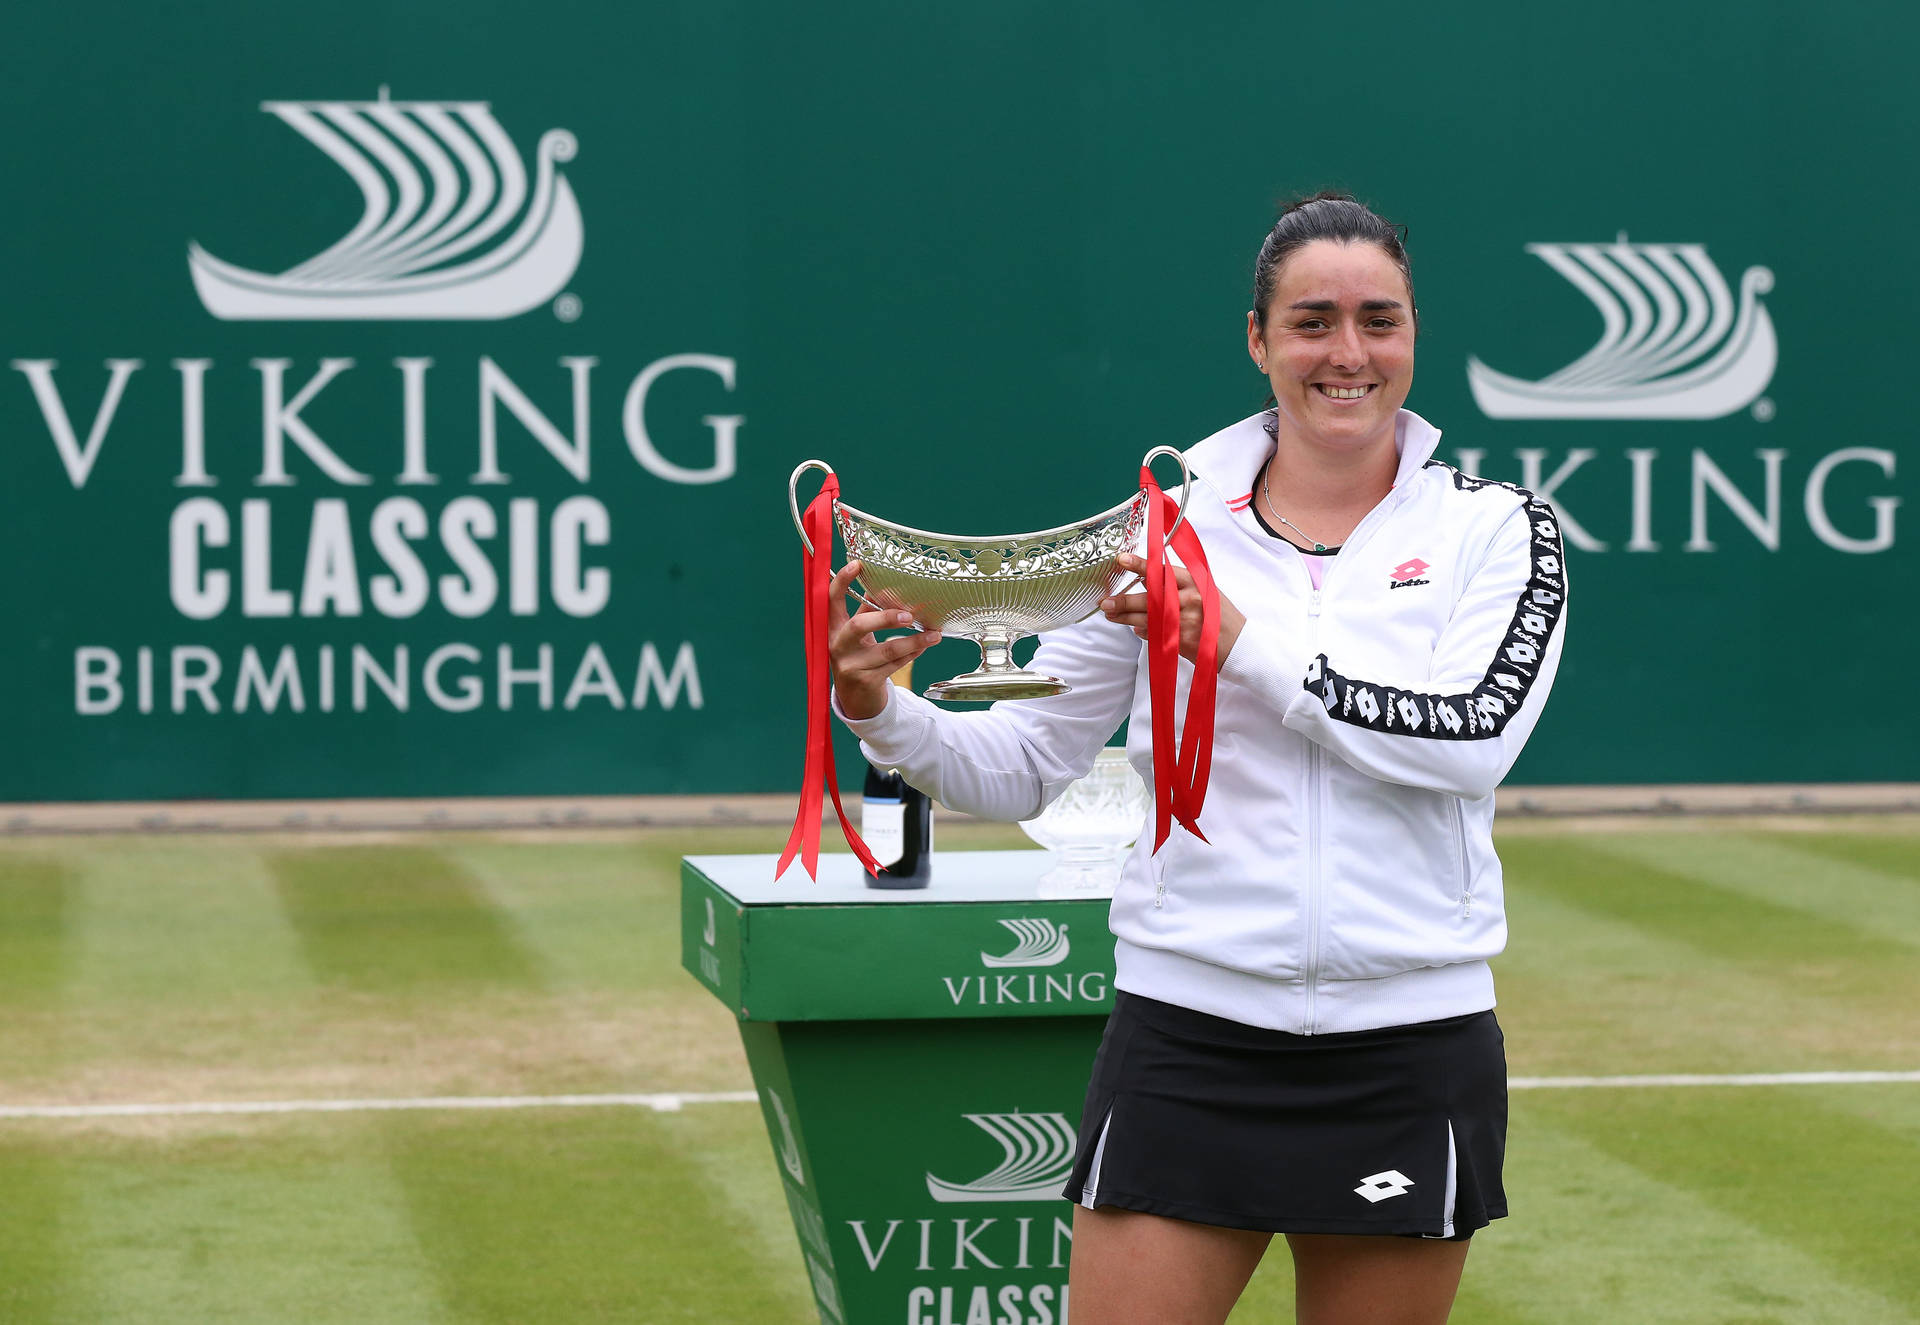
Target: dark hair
{"type": "Point", "coordinates": [1326, 215]}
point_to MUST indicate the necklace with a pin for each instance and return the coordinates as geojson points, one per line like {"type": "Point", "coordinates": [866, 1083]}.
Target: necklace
{"type": "Point", "coordinates": [1317, 545]}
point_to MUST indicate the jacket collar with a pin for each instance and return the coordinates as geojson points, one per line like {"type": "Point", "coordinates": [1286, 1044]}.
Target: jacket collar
{"type": "Point", "coordinates": [1230, 460]}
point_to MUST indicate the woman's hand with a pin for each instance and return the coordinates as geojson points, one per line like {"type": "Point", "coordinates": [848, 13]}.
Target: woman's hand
{"type": "Point", "coordinates": [861, 663]}
{"type": "Point", "coordinates": [1131, 610]}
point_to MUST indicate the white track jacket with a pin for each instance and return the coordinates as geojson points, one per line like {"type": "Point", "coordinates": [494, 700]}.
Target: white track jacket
{"type": "Point", "coordinates": [1349, 880]}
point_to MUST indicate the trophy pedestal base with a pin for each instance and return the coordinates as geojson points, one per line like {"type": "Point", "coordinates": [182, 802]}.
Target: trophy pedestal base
{"type": "Point", "coordinates": [1075, 879]}
{"type": "Point", "coordinates": [986, 687]}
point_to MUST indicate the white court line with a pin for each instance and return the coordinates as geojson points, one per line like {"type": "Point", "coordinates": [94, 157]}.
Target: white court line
{"type": "Point", "coordinates": [658, 1103]}
{"type": "Point", "coordinates": [673, 1103]}
{"type": "Point", "coordinates": [1730, 1079]}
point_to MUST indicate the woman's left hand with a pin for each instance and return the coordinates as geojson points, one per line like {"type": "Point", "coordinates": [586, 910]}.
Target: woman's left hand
{"type": "Point", "coordinates": [1131, 610]}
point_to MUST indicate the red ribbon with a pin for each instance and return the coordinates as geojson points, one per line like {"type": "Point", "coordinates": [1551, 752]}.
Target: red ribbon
{"type": "Point", "coordinates": [1179, 779]}
{"type": "Point", "coordinates": [816, 578]}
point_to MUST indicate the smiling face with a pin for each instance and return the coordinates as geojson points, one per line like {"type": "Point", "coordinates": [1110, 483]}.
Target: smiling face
{"type": "Point", "coordinates": [1337, 344]}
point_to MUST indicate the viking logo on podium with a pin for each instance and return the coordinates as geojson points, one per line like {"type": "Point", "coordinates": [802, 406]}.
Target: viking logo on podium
{"type": "Point", "coordinates": [789, 1146]}
{"type": "Point", "coordinates": [824, 1288]}
{"type": "Point", "coordinates": [448, 229]}
{"type": "Point", "coordinates": [1674, 342]}
{"type": "Point", "coordinates": [1041, 943]}
{"type": "Point", "coordinates": [1039, 1158]}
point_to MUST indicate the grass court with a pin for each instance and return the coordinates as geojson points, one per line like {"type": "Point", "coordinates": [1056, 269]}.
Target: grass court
{"type": "Point", "coordinates": [190, 969]}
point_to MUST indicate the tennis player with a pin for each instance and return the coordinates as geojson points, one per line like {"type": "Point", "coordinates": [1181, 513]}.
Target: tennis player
{"type": "Point", "coordinates": [1303, 1039]}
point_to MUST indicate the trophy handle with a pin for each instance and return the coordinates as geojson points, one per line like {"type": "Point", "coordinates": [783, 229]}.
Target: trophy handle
{"type": "Point", "coordinates": [793, 509]}
{"type": "Point", "coordinates": [1186, 494]}
{"type": "Point", "coordinates": [1186, 484]}
{"type": "Point", "coordinates": [793, 497]}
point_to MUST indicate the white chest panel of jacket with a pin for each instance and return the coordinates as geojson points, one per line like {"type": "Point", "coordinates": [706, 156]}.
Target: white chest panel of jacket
{"type": "Point", "coordinates": [1348, 878]}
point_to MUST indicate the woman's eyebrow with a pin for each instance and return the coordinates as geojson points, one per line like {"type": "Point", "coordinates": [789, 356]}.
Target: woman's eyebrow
{"type": "Point", "coordinates": [1328, 305]}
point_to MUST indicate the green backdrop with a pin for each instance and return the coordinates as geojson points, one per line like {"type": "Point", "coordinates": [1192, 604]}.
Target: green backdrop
{"type": "Point", "coordinates": [978, 258]}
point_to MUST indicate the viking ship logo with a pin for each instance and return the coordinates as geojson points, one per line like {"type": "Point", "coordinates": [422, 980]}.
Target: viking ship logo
{"type": "Point", "coordinates": [1039, 1158]}
{"type": "Point", "coordinates": [789, 1146]}
{"type": "Point", "coordinates": [824, 1288]}
{"type": "Point", "coordinates": [1674, 341]}
{"type": "Point", "coordinates": [1041, 943]}
{"type": "Point", "coordinates": [441, 184]}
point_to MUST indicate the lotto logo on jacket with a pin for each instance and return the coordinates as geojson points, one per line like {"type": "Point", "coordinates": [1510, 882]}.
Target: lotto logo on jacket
{"type": "Point", "coordinates": [1407, 574]}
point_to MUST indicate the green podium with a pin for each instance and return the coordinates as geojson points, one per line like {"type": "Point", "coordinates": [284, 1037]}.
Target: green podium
{"type": "Point", "coordinates": [921, 1059]}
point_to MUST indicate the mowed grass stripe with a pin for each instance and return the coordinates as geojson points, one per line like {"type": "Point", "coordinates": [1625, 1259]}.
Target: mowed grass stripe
{"type": "Point", "coordinates": [732, 1159]}
{"type": "Point", "coordinates": [1889, 853]}
{"type": "Point", "coordinates": [600, 916]}
{"type": "Point", "coordinates": [1585, 994]}
{"type": "Point", "coordinates": [1890, 1107]}
{"type": "Point", "coordinates": [36, 902]}
{"type": "Point", "coordinates": [1775, 870]}
{"type": "Point", "coordinates": [392, 919]}
{"type": "Point", "coordinates": [187, 980]}
{"type": "Point", "coordinates": [38, 905]}
{"type": "Point", "coordinates": [37, 1283]}
{"type": "Point", "coordinates": [603, 922]}
{"type": "Point", "coordinates": [1783, 944]}
{"type": "Point", "coordinates": [243, 1225]}
{"type": "Point", "coordinates": [1597, 1239]}
{"type": "Point", "coordinates": [1830, 1185]}
{"type": "Point", "coordinates": [180, 925]}
{"type": "Point", "coordinates": [584, 1218]}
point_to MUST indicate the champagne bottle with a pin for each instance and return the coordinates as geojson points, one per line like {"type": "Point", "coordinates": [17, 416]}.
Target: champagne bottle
{"type": "Point", "coordinates": [896, 819]}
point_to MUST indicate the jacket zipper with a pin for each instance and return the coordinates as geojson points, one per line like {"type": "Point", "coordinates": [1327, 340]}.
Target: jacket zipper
{"type": "Point", "coordinates": [1314, 779]}
{"type": "Point", "coordinates": [1459, 818]}
{"type": "Point", "coordinates": [1314, 757]}
{"type": "Point", "coordinates": [1312, 971]}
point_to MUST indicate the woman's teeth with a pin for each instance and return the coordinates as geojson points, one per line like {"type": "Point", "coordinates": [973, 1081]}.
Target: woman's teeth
{"type": "Point", "coordinates": [1345, 392]}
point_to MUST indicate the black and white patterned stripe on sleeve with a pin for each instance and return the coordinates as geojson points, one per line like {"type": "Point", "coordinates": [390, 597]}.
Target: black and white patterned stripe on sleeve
{"type": "Point", "coordinates": [1483, 712]}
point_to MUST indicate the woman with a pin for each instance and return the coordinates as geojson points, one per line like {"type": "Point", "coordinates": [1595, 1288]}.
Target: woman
{"type": "Point", "coordinates": [1303, 1039]}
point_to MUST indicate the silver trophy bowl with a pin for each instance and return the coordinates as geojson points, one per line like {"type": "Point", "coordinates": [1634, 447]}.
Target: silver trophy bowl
{"type": "Point", "coordinates": [995, 589]}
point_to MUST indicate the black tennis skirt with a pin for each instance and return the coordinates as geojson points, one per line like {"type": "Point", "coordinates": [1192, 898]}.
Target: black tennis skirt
{"type": "Point", "coordinates": [1394, 1131]}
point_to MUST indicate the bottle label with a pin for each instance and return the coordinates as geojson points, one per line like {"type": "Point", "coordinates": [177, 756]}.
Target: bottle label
{"type": "Point", "coordinates": [883, 823]}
